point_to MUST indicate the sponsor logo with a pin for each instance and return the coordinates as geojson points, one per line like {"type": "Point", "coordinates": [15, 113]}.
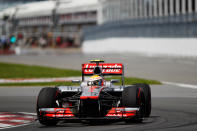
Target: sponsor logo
{"type": "Point", "coordinates": [107, 68]}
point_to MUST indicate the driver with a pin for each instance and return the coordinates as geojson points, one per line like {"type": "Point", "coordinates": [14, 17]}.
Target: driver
{"type": "Point", "coordinates": [95, 80]}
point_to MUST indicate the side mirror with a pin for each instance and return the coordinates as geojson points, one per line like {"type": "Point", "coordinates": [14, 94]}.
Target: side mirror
{"type": "Point", "coordinates": [115, 81]}
{"type": "Point", "coordinates": [76, 81]}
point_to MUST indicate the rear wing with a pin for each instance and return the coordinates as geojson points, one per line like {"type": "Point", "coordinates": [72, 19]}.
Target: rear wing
{"type": "Point", "coordinates": [106, 69]}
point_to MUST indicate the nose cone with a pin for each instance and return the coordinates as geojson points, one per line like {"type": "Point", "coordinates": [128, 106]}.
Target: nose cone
{"type": "Point", "coordinates": [90, 92]}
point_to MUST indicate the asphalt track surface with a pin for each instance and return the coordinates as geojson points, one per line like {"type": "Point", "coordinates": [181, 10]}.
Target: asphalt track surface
{"type": "Point", "coordinates": [174, 108]}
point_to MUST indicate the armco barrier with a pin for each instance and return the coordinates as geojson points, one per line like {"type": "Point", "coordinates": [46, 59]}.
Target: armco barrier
{"type": "Point", "coordinates": [172, 36]}
{"type": "Point", "coordinates": [172, 26]}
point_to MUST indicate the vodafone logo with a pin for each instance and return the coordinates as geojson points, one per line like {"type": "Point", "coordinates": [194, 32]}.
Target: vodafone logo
{"type": "Point", "coordinates": [107, 68]}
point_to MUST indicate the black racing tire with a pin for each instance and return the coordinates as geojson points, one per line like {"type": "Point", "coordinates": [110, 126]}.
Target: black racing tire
{"type": "Point", "coordinates": [47, 99]}
{"type": "Point", "coordinates": [130, 98]}
{"type": "Point", "coordinates": [147, 94]}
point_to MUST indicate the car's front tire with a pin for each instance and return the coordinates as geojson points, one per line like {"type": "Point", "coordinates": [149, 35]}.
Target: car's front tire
{"type": "Point", "coordinates": [47, 99]}
{"type": "Point", "coordinates": [147, 94]}
{"type": "Point", "coordinates": [133, 96]}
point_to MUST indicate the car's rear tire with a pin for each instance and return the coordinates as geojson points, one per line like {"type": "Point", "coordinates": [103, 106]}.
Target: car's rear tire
{"type": "Point", "coordinates": [147, 94]}
{"type": "Point", "coordinates": [47, 99]}
{"type": "Point", "coordinates": [133, 96]}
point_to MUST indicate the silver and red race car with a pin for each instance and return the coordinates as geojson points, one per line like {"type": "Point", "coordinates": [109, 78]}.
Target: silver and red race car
{"type": "Point", "coordinates": [95, 98]}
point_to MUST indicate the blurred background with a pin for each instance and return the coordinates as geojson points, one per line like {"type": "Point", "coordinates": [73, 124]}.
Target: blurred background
{"type": "Point", "coordinates": [88, 24]}
{"type": "Point", "coordinates": [155, 38]}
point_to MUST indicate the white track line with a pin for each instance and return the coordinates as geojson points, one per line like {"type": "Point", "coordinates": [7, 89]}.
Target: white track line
{"type": "Point", "coordinates": [23, 121]}
{"type": "Point", "coordinates": [8, 116]}
{"type": "Point", "coordinates": [5, 127]}
{"type": "Point", "coordinates": [180, 85]}
{"type": "Point", "coordinates": [28, 113]}
{"type": "Point", "coordinates": [39, 80]}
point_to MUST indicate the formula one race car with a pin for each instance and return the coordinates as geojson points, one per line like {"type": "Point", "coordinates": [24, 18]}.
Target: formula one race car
{"type": "Point", "coordinates": [95, 98]}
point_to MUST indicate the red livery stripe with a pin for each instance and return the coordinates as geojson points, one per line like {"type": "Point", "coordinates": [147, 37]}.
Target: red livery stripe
{"type": "Point", "coordinates": [88, 97]}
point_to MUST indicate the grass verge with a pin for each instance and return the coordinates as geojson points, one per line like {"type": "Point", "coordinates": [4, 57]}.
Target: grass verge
{"type": "Point", "coordinates": [9, 70]}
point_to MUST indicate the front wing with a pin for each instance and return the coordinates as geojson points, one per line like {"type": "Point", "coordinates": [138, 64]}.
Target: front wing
{"type": "Point", "coordinates": [117, 113]}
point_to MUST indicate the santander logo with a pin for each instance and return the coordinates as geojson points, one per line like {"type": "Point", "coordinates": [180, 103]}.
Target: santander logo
{"type": "Point", "coordinates": [107, 68]}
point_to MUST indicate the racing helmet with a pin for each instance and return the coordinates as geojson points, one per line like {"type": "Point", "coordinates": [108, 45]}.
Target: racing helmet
{"type": "Point", "coordinates": [95, 80]}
